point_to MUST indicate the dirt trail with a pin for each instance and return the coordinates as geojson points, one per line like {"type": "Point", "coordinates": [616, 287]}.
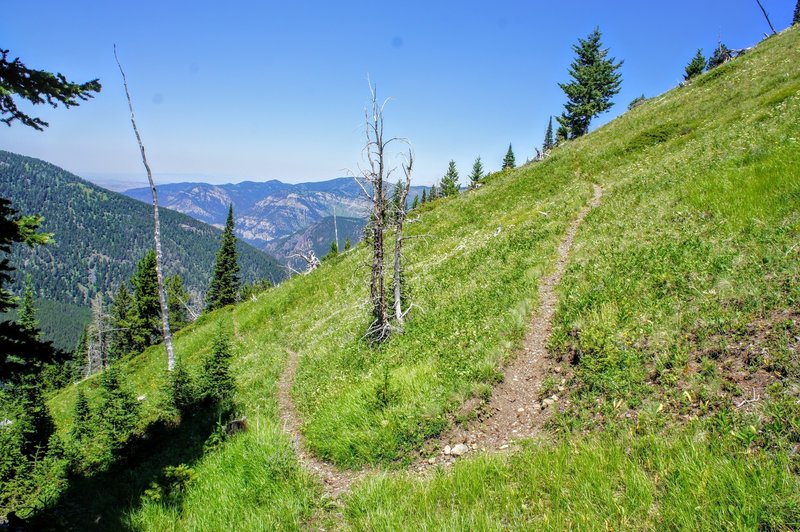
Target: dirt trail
{"type": "Point", "coordinates": [516, 411]}
{"type": "Point", "coordinates": [335, 481]}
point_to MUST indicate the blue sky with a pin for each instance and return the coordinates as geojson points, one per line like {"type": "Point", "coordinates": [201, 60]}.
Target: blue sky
{"type": "Point", "coordinates": [227, 91]}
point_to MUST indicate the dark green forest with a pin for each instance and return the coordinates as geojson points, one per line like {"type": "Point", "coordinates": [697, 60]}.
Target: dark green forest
{"type": "Point", "coordinates": [98, 238]}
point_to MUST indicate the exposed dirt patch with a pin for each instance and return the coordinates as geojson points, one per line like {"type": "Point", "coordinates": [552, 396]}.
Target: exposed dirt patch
{"type": "Point", "coordinates": [517, 409]}
{"type": "Point", "coordinates": [335, 481]}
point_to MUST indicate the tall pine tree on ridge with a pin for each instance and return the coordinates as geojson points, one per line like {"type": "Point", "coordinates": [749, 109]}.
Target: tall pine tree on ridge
{"type": "Point", "coordinates": [225, 283]}
{"type": "Point", "coordinates": [595, 80]}
{"type": "Point", "coordinates": [508, 160]}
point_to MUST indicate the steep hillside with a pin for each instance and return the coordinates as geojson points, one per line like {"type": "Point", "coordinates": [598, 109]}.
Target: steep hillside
{"type": "Point", "coordinates": [670, 395]}
{"type": "Point", "coordinates": [268, 210]}
{"type": "Point", "coordinates": [100, 235]}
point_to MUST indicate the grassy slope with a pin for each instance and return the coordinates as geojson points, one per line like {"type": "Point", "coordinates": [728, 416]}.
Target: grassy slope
{"type": "Point", "coordinates": [694, 240]}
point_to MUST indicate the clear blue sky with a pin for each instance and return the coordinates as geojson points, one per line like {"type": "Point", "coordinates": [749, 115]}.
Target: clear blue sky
{"type": "Point", "coordinates": [226, 91]}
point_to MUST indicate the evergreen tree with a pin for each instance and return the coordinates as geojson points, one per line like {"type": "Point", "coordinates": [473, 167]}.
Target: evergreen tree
{"type": "Point", "coordinates": [347, 244]}
{"type": "Point", "coordinates": [225, 282]}
{"type": "Point", "coordinates": [695, 66]}
{"type": "Point", "coordinates": [796, 19]}
{"type": "Point", "coordinates": [562, 132]}
{"type": "Point", "coordinates": [81, 418]}
{"type": "Point", "coordinates": [119, 408]}
{"type": "Point", "coordinates": [79, 355]}
{"type": "Point", "coordinates": [27, 312]}
{"type": "Point", "coordinates": [549, 142]}
{"type": "Point", "coordinates": [449, 182]}
{"type": "Point", "coordinates": [434, 193]}
{"type": "Point", "coordinates": [177, 300]}
{"type": "Point", "coordinates": [415, 203]}
{"type": "Point", "coordinates": [147, 323]}
{"type": "Point", "coordinates": [508, 160]}
{"type": "Point", "coordinates": [477, 173]}
{"type": "Point", "coordinates": [333, 251]}
{"type": "Point", "coordinates": [217, 380]}
{"type": "Point", "coordinates": [722, 54]}
{"type": "Point", "coordinates": [424, 197]}
{"type": "Point", "coordinates": [122, 322]}
{"type": "Point", "coordinates": [595, 80]}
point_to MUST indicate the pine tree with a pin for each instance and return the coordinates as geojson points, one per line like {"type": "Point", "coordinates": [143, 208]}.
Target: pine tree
{"type": "Point", "coordinates": [217, 380]}
{"type": "Point", "coordinates": [347, 244]}
{"type": "Point", "coordinates": [424, 197]}
{"type": "Point", "coordinates": [333, 251]}
{"type": "Point", "coordinates": [549, 142]}
{"type": "Point", "coordinates": [595, 80]}
{"type": "Point", "coordinates": [415, 203]}
{"type": "Point", "coordinates": [147, 322]}
{"type": "Point", "coordinates": [434, 193]}
{"type": "Point", "coordinates": [120, 410]}
{"type": "Point", "coordinates": [508, 160]}
{"type": "Point", "coordinates": [477, 173]}
{"type": "Point", "coordinates": [177, 301]}
{"type": "Point", "coordinates": [81, 418]}
{"type": "Point", "coordinates": [449, 182]}
{"type": "Point", "coordinates": [225, 282]}
{"type": "Point", "coordinates": [695, 66]}
{"type": "Point", "coordinates": [122, 322]}
{"type": "Point", "coordinates": [722, 54]}
{"type": "Point", "coordinates": [27, 311]}
{"type": "Point", "coordinates": [796, 19]}
{"type": "Point", "coordinates": [562, 132]}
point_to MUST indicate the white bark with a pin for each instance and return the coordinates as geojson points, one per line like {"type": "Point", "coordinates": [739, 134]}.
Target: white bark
{"type": "Point", "coordinates": [162, 293]}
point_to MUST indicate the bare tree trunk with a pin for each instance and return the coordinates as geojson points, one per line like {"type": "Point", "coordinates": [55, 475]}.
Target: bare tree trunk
{"type": "Point", "coordinates": [97, 349]}
{"type": "Point", "coordinates": [335, 229]}
{"type": "Point", "coordinates": [162, 294]}
{"type": "Point", "coordinates": [766, 16]}
{"type": "Point", "coordinates": [400, 218]}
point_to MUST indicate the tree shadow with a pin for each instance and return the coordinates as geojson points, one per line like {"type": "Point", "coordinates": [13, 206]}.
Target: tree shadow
{"type": "Point", "coordinates": [101, 501]}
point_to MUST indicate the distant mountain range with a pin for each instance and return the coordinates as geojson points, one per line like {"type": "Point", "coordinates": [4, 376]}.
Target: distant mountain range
{"type": "Point", "coordinates": [100, 236]}
{"type": "Point", "coordinates": [266, 212]}
{"type": "Point", "coordinates": [317, 237]}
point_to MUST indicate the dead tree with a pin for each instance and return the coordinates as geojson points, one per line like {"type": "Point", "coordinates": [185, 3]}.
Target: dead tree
{"type": "Point", "coordinates": [398, 280]}
{"type": "Point", "coordinates": [766, 16]}
{"type": "Point", "coordinates": [97, 338]}
{"type": "Point", "coordinates": [162, 293]}
{"type": "Point", "coordinates": [309, 257]}
{"type": "Point", "coordinates": [372, 181]}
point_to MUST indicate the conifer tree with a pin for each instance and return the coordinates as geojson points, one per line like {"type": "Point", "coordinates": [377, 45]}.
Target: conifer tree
{"type": "Point", "coordinates": [449, 183]}
{"type": "Point", "coordinates": [333, 251]}
{"type": "Point", "coordinates": [347, 244]}
{"type": "Point", "coordinates": [122, 322]}
{"type": "Point", "coordinates": [508, 160]}
{"type": "Point", "coordinates": [549, 142]}
{"type": "Point", "coordinates": [225, 282]}
{"type": "Point", "coordinates": [722, 54]}
{"type": "Point", "coordinates": [27, 311]}
{"type": "Point", "coordinates": [796, 18]}
{"type": "Point", "coordinates": [595, 80]}
{"type": "Point", "coordinates": [217, 380]}
{"type": "Point", "coordinates": [434, 193]}
{"type": "Point", "coordinates": [147, 325]}
{"type": "Point", "coordinates": [424, 199]}
{"type": "Point", "coordinates": [81, 418]}
{"type": "Point", "coordinates": [415, 203]}
{"type": "Point", "coordinates": [477, 173]}
{"type": "Point", "coordinates": [177, 302]}
{"type": "Point", "coordinates": [695, 66]}
{"type": "Point", "coordinates": [119, 408]}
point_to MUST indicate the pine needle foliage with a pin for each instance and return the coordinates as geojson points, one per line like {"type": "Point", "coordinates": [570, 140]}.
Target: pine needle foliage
{"type": "Point", "coordinates": [595, 80]}
{"type": "Point", "coordinates": [226, 281]}
{"type": "Point", "coordinates": [449, 183]}
{"type": "Point", "coordinates": [696, 66]}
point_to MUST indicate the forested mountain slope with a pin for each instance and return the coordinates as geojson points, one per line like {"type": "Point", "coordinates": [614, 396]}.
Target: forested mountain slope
{"type": "Point", "coordinates": [100, 235]}
{"type": "Point", "coordinates": [674, 351]}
